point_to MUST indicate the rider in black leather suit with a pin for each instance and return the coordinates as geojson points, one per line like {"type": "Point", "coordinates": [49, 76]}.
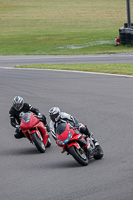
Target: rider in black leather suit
{"type": "Point", "coordinates": [18, 107]}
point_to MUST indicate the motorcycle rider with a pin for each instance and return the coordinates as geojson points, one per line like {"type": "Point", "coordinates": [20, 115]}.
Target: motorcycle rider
{"type": "Point", "coordinates": [56, 115]}
{"type": "Point", "coordinates": [20, 106]}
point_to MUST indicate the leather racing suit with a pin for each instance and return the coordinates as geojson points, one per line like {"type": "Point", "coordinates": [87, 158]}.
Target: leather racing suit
{"type": "Point", "coordinates": [15, 120]}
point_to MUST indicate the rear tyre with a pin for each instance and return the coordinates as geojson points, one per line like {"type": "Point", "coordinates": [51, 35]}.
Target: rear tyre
{"type": "Point", "coordinates": [79, 155]}
{"type": "Point", "coordinates": [38, 142]}
{"type": "Point", "coordinates": [98, 153]}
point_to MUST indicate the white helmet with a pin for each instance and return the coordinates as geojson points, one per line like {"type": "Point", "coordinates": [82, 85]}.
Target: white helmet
{"type": "Point", "coordinates": [54, 114]}
{"type": "Point", "coordinates": [18, 103]}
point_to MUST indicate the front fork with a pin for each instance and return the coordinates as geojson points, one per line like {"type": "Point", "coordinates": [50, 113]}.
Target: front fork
{"type": "Point", "coordinates": [43, 138]}
{"type": "Point", "coordinates": [67, 146]}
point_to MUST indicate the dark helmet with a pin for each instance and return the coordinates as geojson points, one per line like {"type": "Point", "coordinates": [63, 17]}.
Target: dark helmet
{"type": "Point", "coordinates": [54, 114]}
{"type": "Point", "coordinates": [18, 103]}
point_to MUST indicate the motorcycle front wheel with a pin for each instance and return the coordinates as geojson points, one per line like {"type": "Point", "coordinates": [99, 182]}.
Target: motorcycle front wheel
{"type": "Point", "coordinates": [79, 155]}
{"type": "Point", "coordinates": [38, 142]}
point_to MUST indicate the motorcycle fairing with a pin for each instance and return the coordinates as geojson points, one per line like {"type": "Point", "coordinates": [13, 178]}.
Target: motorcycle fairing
{"type": "Point", "coordinates": [62, 142]}
{"type": "Point", "coordinates": [37, 132]}
{"type": "Point", "coordinates": [28, 121]}
{"type": "Point", "coordinates": [44, 134]}
{"type": "Point", "coordinates": [65, 134]}
{"type": "Point", "coordinates": [31, 124]}
{"type": "Point", "coordinates": [88, 144]}
{"type": "Point", "coordinates": [74, 144]}
{"type": "Point", "coordinates": [62, 131]}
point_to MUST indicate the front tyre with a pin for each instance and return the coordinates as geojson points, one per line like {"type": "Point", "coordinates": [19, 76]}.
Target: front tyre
{"type": "Point", "coordinates": [79, 155]}
{"type": "Point", "coordinates": [38, 142]}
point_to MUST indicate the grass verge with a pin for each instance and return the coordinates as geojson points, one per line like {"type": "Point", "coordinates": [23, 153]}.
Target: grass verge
{"type": "Point", "coordinates": [123, 69]}
{"type": "Point", "coordinates": [61, 27]}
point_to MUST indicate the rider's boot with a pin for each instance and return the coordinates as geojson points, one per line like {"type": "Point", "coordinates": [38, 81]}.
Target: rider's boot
{"type": "Point", "coordinates": [49, 142]}
{"type": "Point", "coordinates": [94, 140]}
{"type": "Point", "coordinates": [48, 132]}
{"type": "Point", "coordinates": [18, 134]}
{"type": "Point", "coordinates": [90, 134]}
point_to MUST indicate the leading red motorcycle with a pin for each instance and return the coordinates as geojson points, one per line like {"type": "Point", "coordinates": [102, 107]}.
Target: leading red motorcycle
{"type": "Point", "coordinates": [34, 130]}
{"type": "Point", "coordinates": [78, 145]}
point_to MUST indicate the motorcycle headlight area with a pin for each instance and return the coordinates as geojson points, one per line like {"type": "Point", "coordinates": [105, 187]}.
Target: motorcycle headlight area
{"type": "Point", "coordinates": [66, 140]}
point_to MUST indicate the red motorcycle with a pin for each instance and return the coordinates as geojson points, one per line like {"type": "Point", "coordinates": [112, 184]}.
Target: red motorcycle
{"type": "Point", "coordinates": [34, 130]}
{"type": "Point", "coordinates": [78, 145]}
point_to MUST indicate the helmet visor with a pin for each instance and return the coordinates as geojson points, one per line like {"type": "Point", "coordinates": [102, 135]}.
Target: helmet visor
{"type": "Point", "coordinates": [18, 106]}
{"type": "Point", "coordinates": [53, 117]}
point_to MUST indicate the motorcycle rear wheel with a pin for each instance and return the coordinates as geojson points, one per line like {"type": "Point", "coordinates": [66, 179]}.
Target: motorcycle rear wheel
{"type": "Point", "coordinates": [99, 153]}
{"type": "Point", "coordinates": [38, 142]}
{"type": "Point", "coordinates": [79, 155]}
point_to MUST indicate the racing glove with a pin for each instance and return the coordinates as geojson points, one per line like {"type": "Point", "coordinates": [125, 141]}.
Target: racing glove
{"type": "Point", "coordinates": [17, 126]}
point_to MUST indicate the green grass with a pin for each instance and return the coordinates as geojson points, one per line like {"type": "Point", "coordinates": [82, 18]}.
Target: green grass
{"type": "Point", "coordinates": [33, 27]}
{"type": "Point", "coordinates": [123, 69]}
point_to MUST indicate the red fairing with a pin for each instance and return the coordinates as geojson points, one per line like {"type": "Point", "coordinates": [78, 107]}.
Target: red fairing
{"type": "Point", "coordinates": [75, 135]}
{"type": "Point", "coordinates": [88, 144]}
{"type": "Point", "coordinates": [64, 135]}
{"type": "Point", "coordinates": [41, 127]}
{"type": "Point", "coordinates": [74, 144]}
{"type": "Point", "coordinates": [58, 144]}
{"type": "Point", "coordinates": [31, 122]}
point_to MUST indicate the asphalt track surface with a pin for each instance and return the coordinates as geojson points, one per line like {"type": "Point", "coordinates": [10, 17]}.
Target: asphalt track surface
{"type": "Point", "coordinates": [104, 103]}
{"type": "Point", "coordinates": [49, 59]}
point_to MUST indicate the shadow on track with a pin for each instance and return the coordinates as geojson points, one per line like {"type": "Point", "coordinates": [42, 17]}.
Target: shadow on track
{"type": "Point", "coordinates": [68, 163]}
{"type": "Point", "coordinates": [18, 152]}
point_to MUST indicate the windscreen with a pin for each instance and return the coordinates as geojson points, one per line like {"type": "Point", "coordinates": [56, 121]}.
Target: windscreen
{"type": "Point", "coordinates": [26, 117]}
{"type": "Point", "coordinates": [61, 127]}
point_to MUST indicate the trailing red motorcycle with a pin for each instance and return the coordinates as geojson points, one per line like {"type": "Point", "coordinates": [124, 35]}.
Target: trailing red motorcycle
{"type": "Point", "coordinates": [78, 145]}
{"type": "Point", "coordinates": [34, 130]}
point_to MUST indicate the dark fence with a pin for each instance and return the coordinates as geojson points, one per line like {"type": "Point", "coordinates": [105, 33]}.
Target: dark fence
{"type": "Point", "coordinates": [126, 34]}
